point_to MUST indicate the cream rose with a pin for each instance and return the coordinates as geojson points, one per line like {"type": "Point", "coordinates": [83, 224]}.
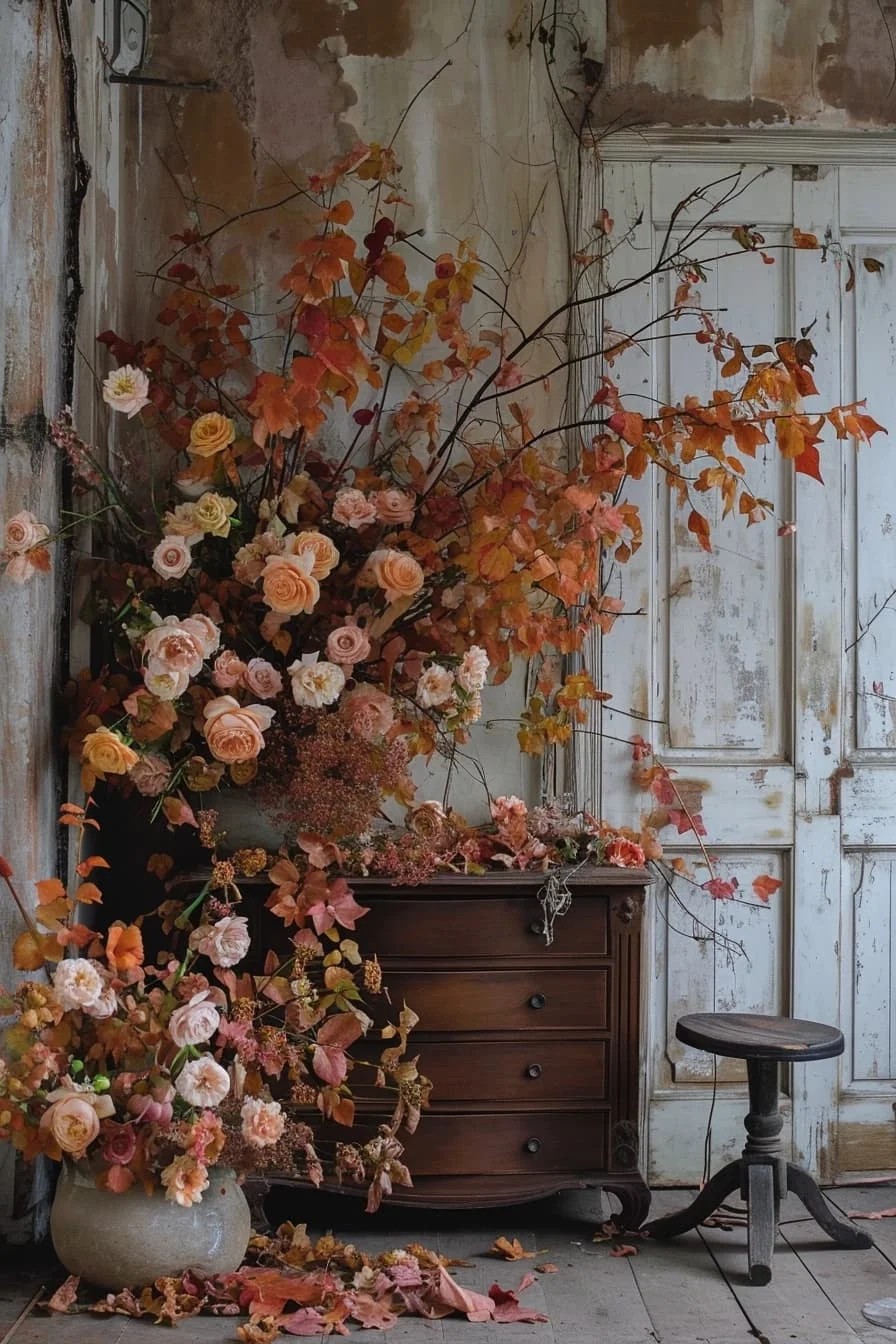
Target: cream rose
{"type": "Point", "coordinates": [194, 1022]}
{"type": "Point", "coordinates": [394, 506]}
{"type": "Point", "coordinates": [288, 585]}
{"type": "Point", "coordinates": [262, 678]}
{"type": "Point", "coordinates": [326, 556]}
{"type": "Point", "coordinates": [234, 732]}
{"type": "Point", "coordinates": [172, 557]}
{"type": "Point", "coordinates": [105, 753]}
{"type": "Point", "coordinates": [165, 685]}
{"type": "Point", "coordinates": [228, 671]}
{"type": "Point", "coordinates": [211, 434]}
{"type": "Point", "coordinates": [172, 647]}
{"type": "Point", "coordinates": [352, 508]}
{"type": "Point", "coordinates": [204, 631]}
{"type": "Point", "coordinates": [202, 1082]}
{"type": "Point", "coordinates": [369, 712]}
{"type": "Point", "coordinates": [150, 775]}
{"type": "Point", "coordinates": [184, 1180]}
{"type": "Point", "coordinates": [127, 390]}
{"type": "Point", "coordinates": [211, 513]}
{"type": "Point", "coordinates": [181, 523]}
{"type": "Point", "coordinates": [348, 644]}
{"type": "Point", "coordinates": [23, 532]}
{"type": "Point", "coordinates": [316, 684]}
{"type": "Point", "coordinates": [262, 1122]}
{"type": "Point", "coordinates": [473, 669]}
{"type": "Point", "coordinates": [77, 983]}
{"type": "Point", "coordinates": [397, 573]}
{"type": "Point", "coordinates": [435, 687]}
{"type": "Point", "coordinates": [224, 943]}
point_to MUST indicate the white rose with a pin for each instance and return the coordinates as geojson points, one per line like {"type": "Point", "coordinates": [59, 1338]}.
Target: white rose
{"type": "Point", "coordinates": [206, 633]}
{"type": "Point", "coordinates": [172, 557]}
{"type": "Point", "coordinates": [224, 943]}
{"type": "Point", "coordinates": [127, 390]}
{"type": "Point", "coordinates": [194, 1022]}
{"type": "Point", "coordinates": [77, 983]}
{"type": "Point", "coordinates": [473, 669]}
{"type": "Point", "coordinates": [435, 687]}
{"type": "Point", "coordinates": [316, 684]}
{"type": "Point", "coordinates": [202, 1082]}
{"type": "Point", "coordinates": [164, 684]}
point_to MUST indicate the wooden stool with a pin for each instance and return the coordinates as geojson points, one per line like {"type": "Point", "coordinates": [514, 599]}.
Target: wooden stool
{"type": "Point", "coordinates": [761, 1173]}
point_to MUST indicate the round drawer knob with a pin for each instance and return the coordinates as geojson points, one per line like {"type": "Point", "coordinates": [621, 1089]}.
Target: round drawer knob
{"type": "Point", "coordinates": [536, 927]}
{"type": "Point", "coordinates": [533, 1071]}
{"type": "Point", "coordinates": [537, 1001]}
{"type": "Point", "coordinates": [533, 1145]}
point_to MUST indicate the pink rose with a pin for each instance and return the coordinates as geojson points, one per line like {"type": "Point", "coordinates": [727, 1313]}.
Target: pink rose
{"type": "Point", "coordinates": [119, 1144]}
{"type": "Point", "coordinates": [394, 506]}
{"type": "Point", "coordinates": [228, 670]}
{"type": "Point", "coordinates": [23, 532]}
{"type": "Point", "coordinates": [262, 679]}
{"type": "Point", "coordinates": [202, 1082]}
{"type": "Point", "coordinates": [204, 631]}
{"type": "Point", "coordinates": [234, 732]}
{"type": "Point", "coordinates": [369, 711]}
{"type": "Point", "coordinates": [171, 647]}
{"type": "Point", "coordinates": [262, 1122]}
{"type": "Point", "coordinates": [348, 644]}
{"type": "Point", "coordinates": [352, 508]}
{"type": "Point", "coordinates": [151, 775]}
{"type": "Point", "coordinates": [154, 1107]}
{"type": "Point", "coordinates": [184, 1180]}
{"type": "Point", "coordinates": [225, 942]}
{"type": "Point", "coordinates": [194, 1022]}
{"type": "Point", "coordinates": [473, 669]}
{"type": "Point", "coordinates": [172, 557]}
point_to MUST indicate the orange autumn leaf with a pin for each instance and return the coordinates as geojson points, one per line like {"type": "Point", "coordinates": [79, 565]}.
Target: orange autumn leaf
{"type": "Point", "coordinates": [27, 952]}
{"type": "Point", "coordinates": [700, 528]}
{"type": "Point", "coordinates": [89, 894]}
{"type": "Point", "coordinates": [765, 886]}
{"type": "Point", "coordinates": [804, 240]}
{"type": "Point", "coordinates": [124, 947]}
{"type": "Point", "coordinates": [86, 866]}
{"type": "Point", "coordinates": [511, 1250]}
{"type": "Point", "coordinates": [49, 890]}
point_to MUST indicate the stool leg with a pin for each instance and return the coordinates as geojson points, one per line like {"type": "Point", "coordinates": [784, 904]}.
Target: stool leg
{"type": "Point", "coordinates": [838, 1228]}
{"type": "Point", "coordinates": [762, 1221]}
{"type": "Point", "coordinates": [708, 1200]}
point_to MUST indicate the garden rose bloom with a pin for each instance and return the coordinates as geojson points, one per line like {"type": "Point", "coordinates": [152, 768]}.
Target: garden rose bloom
{"type": "Point", "coordinates": [151, 775]}
{"type": "Point", "coordinates": [181, 523]}
{"type": "Point", "coordinates": [316, 684]}
{"type": "Point", "coordinates": [126, 389]}
{"type": "Point", "coordinates": [288, 584]}
{"type": "Point", "coordinates": [369, 711]}
{"type": "Point", "coordinates": [23, 532]}
{"type": "Point", "coordinates": [262, 678]}
{"type": "Point", "coordinates": [202, 1082]}
{"type": "Point", "coordinates": [394, 506]}
{"type": "Point", "coordinates": [348, 644]}
{"type": "Point", "coordinates": [165, 685]}
{"type": "Point", "coordinates": [428, 821]}
{"type": "Point", "coordinates": [398, 574]}
{"type": "Point", "coordinates": [194, 1022]}
{"type": "Point", "coordinates": [225, 942]}
{"type": "Point", "coordinates": [326, 556]}
{"type": "Point", "coordinates": [204, 631]}
{"type": "Point", "coordinates": [229, 670]}
{"type": "Point", "coordinates": [172, 647]}
{"type": "Point", "coordinates": [624, 853]}
{"type": "Point", "coordinates": [511, 816]}
{"type": "Point", "coordinates": [184, 1180]}
{"type": "Point", "coordinates": [211, 513]}
{"type": "Point", "coordinates": [77, 983]}
{"type": "Point", "coordinates": [435, 687]}
{"type": "Point", "coordinates": [104, 1006]}
{"type": "Point", "coordinates": [211, 434]}
{"type": "Point", "coordinates": [172, 557]}
{"type": "Point", "coordinates": [72, 1122]}
{"type": "Point", "coordinates": [248, 562]}
{"type": "Point", "coordinates": [352, 508]}
{"type": "Point", "coordinates": [106, 754]}
{"type": "Point", "coordinates": [262, 1122]}
{"type": "Point", "coordinates": [119, 1144]}
{"type": "Point", "coordinates": [234, 732]}
{"type": "Point", "coordinates": [473, 669]}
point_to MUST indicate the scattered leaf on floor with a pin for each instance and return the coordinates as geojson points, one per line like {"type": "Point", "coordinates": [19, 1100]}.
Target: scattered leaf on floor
{"type": "Point", "coordinates": [507, 1303]}
{"type": "Point", "coordinates": [511, 1250]}
{"type": "Point", "coordinates": [872, 1214]}
{"type": "Point", "coordinates": [547, 1268]}
{"type": "Point", "coordinates": [65, 1295]}
{"type": "Point", "coordinates": [622, 1250]}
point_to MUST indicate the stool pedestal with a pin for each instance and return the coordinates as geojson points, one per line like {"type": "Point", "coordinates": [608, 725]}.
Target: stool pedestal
{"type": "Point", "coordinates": [763, 1178]}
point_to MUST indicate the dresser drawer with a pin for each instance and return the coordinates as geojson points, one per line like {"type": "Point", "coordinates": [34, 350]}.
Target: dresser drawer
{"type": "Point", "coordinates": [525, 1000]}
{"type": "Point", "coordinates": [492, 929]}
{"type": "Point", "coordinates": [535, 1072]}
{"type": "Point", "coordinates": [507, 1144]}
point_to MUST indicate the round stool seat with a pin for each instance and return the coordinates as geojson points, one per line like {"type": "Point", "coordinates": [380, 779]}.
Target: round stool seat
{"type": "Point", "coordinates": [759, 1036]}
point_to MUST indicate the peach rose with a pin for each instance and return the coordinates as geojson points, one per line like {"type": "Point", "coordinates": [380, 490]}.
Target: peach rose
{"type": "Point", "coordinates": [106, 754]}
{"type": "Point", "coordinates": [397, 573]}
{"type": "Point", "coordinates": [24, 532]}
{"type": "Point", "coordinates": [394, 506]}
{"type": "Point", "coordinates": [127, 390]}
{"type": "Point", "coordinates": [165, 685]}
{"type": "Point", "coordinates": [172, 647]}
{"type": "Point", "coordinates": [435, 687]}
{"type": "Point", "coordinates": [233, 731]}
{"type": "Point", "coordinates": [348, 644]}
{"type": "Point", "coordinates": [288, 585]}
{"type": "Point", "coordinates": [262, 1122]}
{"type": "Point", "coordinates": [184, 1180]}
{"type": "Point", "coordinates": [229, 670]}
{"type": "Point", "coordinates": [72, 1122]}
{"type": "Point", "coordinates": [262, 678]}
{"type": "Point", "coordinates": [352, 508]}
{"type": "Point", "coordinates": [624, 853]}
{"type": "Point", "coordinates": [194, 1022]}
{"type": "Point", "coordinates": [211, 513]}
{"type": "Point", "coordinates": [172, 557]}
{"type": "Point", "coordinates": [150, 775]}
{"type": "Point", "coordinates": [369, 711]}
{"type": "Point", "coordinates": [202, 1082]}
{"type": "Point", "coordinates": [473, 669]}
{"type": "Point", "coordinates": [316, 684]}
{"type": "Point", "coordinates": [326, 556]}
{"type": "Point", "coordinates": [211, 434]}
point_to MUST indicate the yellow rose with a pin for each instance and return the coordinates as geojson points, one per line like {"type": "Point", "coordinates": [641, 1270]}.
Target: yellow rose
{"type": "Point", "coordinates": [211, 513]}
{"type": "Point", "coordinates": [106, 754]}
{"type": "Point", "coordinates": [211, 434]}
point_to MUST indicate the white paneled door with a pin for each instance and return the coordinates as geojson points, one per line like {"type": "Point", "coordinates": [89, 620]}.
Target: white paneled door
{"type": "Point", "coordinates": [765, 672]}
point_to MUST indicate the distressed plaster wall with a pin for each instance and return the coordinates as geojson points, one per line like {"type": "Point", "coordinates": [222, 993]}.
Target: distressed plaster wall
{"type": "Point", "coordinates": [828, 63]}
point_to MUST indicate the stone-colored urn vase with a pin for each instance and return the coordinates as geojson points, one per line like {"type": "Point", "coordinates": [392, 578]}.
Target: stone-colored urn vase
{"type": "Point", "coordinates": [129, 1240]}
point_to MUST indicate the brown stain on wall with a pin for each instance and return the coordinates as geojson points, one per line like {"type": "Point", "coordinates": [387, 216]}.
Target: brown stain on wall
{"type": "Point", "coordinates": [641, 24]}
{"type": "Point", "coordinates": [375, 28]}
{"type": "Point", "coordinates": [858, 72]}
{"type": "Point", "coordinates": [866, 1147]}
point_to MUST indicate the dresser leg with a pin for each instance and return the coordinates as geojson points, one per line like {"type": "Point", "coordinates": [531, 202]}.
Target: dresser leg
{"type": "Point", "coordinates": [634, 1197]}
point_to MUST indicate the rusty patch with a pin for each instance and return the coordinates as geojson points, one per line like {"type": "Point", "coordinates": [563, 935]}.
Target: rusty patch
{"type": "Point", "coordinates": [372, 29]}
{"type": "Point", "coordinates": [842, 772]}
{"type": "Point", "coordinates": [642, 24]}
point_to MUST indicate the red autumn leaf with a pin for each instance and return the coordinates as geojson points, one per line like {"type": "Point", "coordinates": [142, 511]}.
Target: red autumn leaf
{"type": "Point", "coordinates": [5, 869]}
{"type": "Point", "coordinates": [629, 425]}
{"type": "Point", "coordinates": [809, 463]}
{"type": "Point", "coordinates": [339, 906]}
{"type": "Point", "coordinates": [700, 528]}
{"type": "Point", "coordinates": [720, 889]}
{"type": "Point", "coordinates": [765, 886]}
{"type": "Point", "coordinates": [507, 1304]}
{"type": "Point", "coordinates": [329, 1061]}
